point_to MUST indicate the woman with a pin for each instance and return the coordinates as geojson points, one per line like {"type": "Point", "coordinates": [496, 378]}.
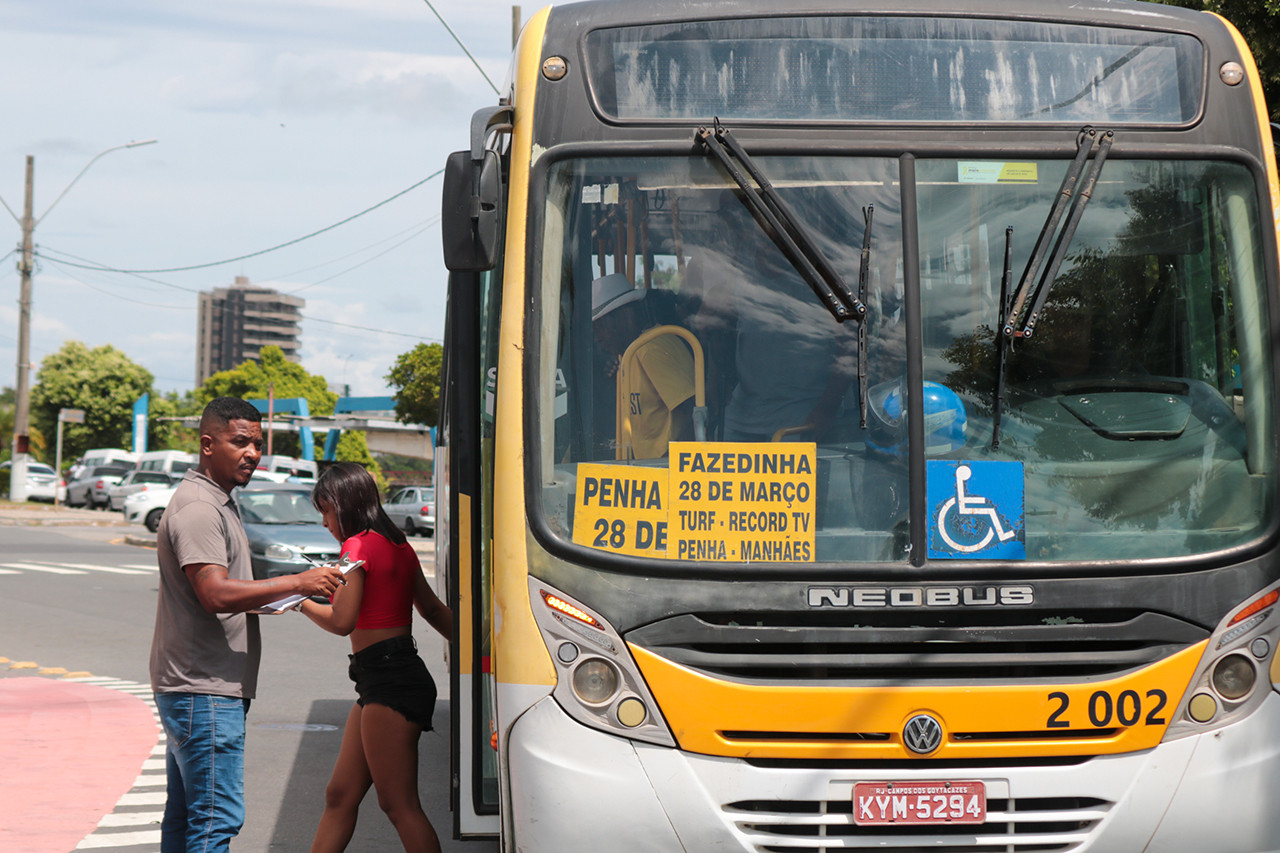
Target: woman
{"type": "Point", "coordinates": [395, 692]}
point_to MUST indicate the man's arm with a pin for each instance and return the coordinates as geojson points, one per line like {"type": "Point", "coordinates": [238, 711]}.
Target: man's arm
{"type": "Point", "coordinates": [219, 593]}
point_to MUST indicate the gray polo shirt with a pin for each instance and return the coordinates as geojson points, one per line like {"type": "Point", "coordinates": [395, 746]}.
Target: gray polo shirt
{"type": "Point", "coordinates": [193, 651]}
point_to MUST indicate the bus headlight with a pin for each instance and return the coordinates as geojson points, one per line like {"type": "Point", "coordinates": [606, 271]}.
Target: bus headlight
{"type": "Point", "coordinates": [598, 683]}
{"type": "Point", "coordinates": [1240, 651]}
{"type": "Point", "coordinates": [1234, 676]}
{"type": "Point", "coordinates": [595, 680]}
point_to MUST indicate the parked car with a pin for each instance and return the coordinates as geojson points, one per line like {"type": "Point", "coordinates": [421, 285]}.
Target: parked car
{"type": "Point", "coordinates": [43, 483]}
{"type": "Point", "coordinates": [286, 533]}
{"type": "Point", "coordinates": [96, 456]}
{"type": "Point", "coordinates": [173, 462]}
{"type": "Point", "coordinates": [137, 481]}
{"type": "Point", "coordinates": [90, 488]}
{"type": "Point", "coordinates": [413, 509]}
{"type": "Point", "coordinates": [147, 507]}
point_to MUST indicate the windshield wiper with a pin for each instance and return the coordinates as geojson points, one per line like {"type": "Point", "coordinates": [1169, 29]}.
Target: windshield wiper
{"type": "Point", "coordinates": [864, 272]}
{"type": "Point", "coordinates": [1002, 343]}
{"type": "Point", "coordinates": [1067, 196]}
{"type": "Point", "coordinates": [1011, 306]}
{"type": "Point", "coordinates": [784, 228]}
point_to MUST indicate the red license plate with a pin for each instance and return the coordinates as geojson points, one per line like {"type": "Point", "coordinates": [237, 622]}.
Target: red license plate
{"type": "Point", "coordinates": [885, 803]}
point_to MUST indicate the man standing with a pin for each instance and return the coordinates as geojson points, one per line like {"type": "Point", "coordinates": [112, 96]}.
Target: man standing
{"type": "Point", "coordinates": [206, 647]}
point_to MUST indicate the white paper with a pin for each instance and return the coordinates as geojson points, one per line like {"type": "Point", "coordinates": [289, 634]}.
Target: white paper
{"type": "Point", "coordinates": [345, 565]}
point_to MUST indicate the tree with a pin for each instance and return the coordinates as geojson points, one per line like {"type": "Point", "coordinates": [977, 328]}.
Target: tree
{"type": "Point", "coordinates": [416, 375]}
{"type": "Point", "coordinates": [250, 381]}
{"type": "Point", "coordinates": [164, 427]}
{"type": "Point", "coordinates": [353, 446]}
{"type": "Point", "coordinates": [1257, 21]}
{"type": "Point", "coordinates": [103, 382]}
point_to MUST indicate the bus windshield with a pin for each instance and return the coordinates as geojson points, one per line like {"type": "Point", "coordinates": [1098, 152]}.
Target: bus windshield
{"type": "Point", "coordinates": [1136, 419]}
{"type": "Point", "coordinates": [895, 69]}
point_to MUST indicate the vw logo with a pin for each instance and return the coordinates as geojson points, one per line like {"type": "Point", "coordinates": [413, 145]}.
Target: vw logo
{"type": "Point", "coordinates": [922, 734]}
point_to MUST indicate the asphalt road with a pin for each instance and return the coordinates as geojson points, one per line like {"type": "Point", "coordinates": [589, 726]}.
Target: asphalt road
{"type": "Point", "coordinates": [63, 610]}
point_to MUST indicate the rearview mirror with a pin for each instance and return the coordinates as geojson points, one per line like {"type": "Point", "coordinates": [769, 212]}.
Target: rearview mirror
{"type": "Point", "coordinates": [471, 203]}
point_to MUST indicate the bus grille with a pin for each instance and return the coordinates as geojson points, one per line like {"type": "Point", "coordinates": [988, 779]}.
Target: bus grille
{"type": "Point", "coordinates": [884, 647]}
{"type": "Point", "coordinates": [1021, 826]}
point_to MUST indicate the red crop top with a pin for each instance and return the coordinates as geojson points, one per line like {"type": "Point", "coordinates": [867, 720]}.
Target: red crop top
{"type": "Point", "coordinates": [388, 580]}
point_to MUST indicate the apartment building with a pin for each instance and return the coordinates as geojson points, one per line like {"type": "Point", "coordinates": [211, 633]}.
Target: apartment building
{"type": "Point", "coordinates": [236, 322]}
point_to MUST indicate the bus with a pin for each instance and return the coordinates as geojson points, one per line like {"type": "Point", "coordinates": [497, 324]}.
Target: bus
{"type": "Point", "coordinates": [859, 432]}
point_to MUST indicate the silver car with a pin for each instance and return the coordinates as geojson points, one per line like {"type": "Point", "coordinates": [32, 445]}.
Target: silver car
{"type": "Point", "coordinates": [413, 509]}
{"type": "Point", "coordinates": [137, 481]}
{"type": "Point", "coordinates": [90, 488]}
{"type": "Point", "coordinates": [286, 534]}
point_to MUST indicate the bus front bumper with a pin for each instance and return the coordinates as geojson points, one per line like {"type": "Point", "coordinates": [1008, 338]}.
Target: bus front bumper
{"type": "Point", "coordinates": [577, 788]}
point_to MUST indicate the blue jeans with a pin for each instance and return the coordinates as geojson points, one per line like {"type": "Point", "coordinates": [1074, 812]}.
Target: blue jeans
{"type": "Point", "coordinates": [204, 763]}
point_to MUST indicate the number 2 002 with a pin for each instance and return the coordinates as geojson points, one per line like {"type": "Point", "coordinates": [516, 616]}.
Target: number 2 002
{"type": "Point", "coordinates": [1126, 708]}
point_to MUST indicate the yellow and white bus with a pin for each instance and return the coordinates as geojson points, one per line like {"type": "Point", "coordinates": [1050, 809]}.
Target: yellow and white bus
{"type": "Point", "coordinates": [859, 432]}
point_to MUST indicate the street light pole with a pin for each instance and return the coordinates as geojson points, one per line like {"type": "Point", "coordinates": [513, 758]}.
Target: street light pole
{"type": "Point", "coordinates": [22, 390]}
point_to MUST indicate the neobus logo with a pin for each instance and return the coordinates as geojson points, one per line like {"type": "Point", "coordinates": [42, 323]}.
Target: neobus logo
{"type": "Point", "coordinates": [921, 596]}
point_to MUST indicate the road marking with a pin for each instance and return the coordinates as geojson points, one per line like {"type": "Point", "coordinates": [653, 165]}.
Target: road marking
{"type": "Point", "coordinates": [71, 568]}
{"type": "Point", "coordinates": [119, 839]}
{"type": "Point", "coordinates": [149, 787]}
{"type": "Point", "coordinates": [93, 568]}
{"type": "Point", "coordinates": [142, 798]}
{"type": "Point", "coordinates": [32, 567]}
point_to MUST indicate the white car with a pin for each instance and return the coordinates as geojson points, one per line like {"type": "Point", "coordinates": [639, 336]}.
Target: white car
{"type": "Point", "coordinates": [43, 483]}
{"type": "Point", "coordinates": [147, 507]}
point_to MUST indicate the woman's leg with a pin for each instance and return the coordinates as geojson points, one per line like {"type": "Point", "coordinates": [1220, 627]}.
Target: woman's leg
{"type": "Point", "coordinates": [391, 750]}
{"type": "Point", "coordinates": [347, 786]}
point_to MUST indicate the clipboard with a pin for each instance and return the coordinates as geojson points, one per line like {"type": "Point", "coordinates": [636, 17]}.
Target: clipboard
{"type": "Point", "coordinates": [344, 565]}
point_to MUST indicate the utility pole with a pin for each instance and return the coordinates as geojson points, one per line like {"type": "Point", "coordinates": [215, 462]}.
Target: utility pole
{"type": "Point", "coordinates": [22, 391]}
{"type": "Point", "coordinates": [22, 387]}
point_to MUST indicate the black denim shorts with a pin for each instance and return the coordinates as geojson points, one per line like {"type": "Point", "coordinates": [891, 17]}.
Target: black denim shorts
{"type": "Point", "coordinates": [390, 673]}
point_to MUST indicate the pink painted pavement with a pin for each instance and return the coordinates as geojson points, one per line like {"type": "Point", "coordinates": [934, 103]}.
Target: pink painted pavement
{"type": "Point", "coordinates": [68, 752]}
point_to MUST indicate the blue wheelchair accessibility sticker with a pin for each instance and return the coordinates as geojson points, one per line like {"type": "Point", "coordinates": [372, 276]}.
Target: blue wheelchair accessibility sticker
{"type": "Point", "coordinates": [976, 510]}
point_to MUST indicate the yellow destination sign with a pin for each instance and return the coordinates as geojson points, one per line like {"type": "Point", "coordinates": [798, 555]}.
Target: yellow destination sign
{"type": "Point", "coordinates": [742, 501]}
{"type": "Point", "coordinates": [622, 508]}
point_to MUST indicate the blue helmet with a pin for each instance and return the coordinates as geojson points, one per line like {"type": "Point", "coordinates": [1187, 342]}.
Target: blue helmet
{"type": "Point", "coordinates": [944, 419]}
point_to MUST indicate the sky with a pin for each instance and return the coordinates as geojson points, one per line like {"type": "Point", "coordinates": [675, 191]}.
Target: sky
{"type": "Point", "coordinates": [275, 119]}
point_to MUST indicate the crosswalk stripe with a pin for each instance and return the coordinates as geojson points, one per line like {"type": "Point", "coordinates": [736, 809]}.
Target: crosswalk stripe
{"type": "Point", "coordinates": [72, 568]}
{"type": "Point", "coordinates": [120, 839]}
{"type": "Point", "coordinates": [54, 570]}
{"type": "Point", "coordinates": [94, 568]}
{"type": "Point", "coordinates": [131, 819]}
{"type": "Point", "coordinates": [151, 780]}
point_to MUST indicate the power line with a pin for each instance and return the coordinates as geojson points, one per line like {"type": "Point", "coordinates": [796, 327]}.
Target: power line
{"type": "Point", "coordinates": [369, 260]}
{"type": "Point", "coordinates": [43, 254]}
{"type": "Point", "coordinates": [371, 329]}
{"type": "Point", "coordinates": [103, 290]}
{"type": "Point", "coordinates": [416, 228]}
{"type": "Point", "coordinates": [273, 248]}
{"type": "Point", "coordinates": [464, 48]}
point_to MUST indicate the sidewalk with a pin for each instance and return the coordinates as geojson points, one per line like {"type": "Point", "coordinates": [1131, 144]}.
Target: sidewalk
{"type": "Point", "coordinates": [42, 514]}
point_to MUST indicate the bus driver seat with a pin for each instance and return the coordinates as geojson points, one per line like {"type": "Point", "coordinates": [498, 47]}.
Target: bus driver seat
{"type": "Point", "coordinates": [659, 372]}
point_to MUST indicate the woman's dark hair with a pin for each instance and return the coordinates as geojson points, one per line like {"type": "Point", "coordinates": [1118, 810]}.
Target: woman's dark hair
{"type": "Point", "coordinates": [351, 492]}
